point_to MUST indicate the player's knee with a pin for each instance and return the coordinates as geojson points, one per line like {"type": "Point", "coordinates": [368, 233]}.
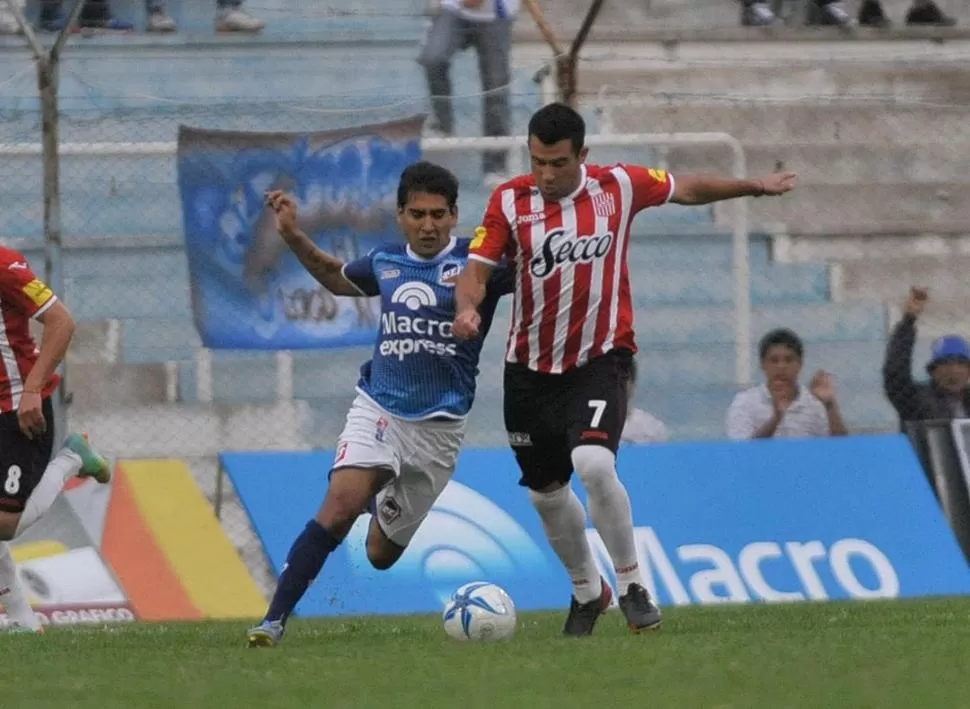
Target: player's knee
{"type": "Point", "coordinates": [550, 498]}
{"type": "Point", "coordinates": [8, 525]}
{"type": "Point", "coordinates": [382, 553]}
{"type": "Point", "coordinates": [595, 466]}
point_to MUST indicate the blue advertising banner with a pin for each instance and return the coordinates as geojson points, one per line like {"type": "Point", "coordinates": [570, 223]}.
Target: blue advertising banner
{"type": "Point", "coordinates": [844, 518]}
{"type": "Point", "coordinates": [248, 290]}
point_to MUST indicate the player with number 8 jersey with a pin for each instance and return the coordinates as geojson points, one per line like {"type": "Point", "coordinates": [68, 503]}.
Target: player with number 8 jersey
{"type": "Point", "coordinates": [30, 479]}
{"type": "Point", "coordinates": [566, 229]}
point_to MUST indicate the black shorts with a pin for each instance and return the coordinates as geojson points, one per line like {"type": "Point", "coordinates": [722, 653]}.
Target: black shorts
{"type": "Point", "coordinates": [22, 460]}
{"type": "Point", "coordinates": [547, 415]}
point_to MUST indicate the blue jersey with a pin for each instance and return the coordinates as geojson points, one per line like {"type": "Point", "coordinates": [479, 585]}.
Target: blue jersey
{"type": "Point", "coordinates": [419, 370]}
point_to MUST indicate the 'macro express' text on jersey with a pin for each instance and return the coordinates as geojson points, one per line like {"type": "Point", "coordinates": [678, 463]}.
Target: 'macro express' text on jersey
{"type": "Point", "coordinates": [419, 370]}
{"type": "Point", "coordinates": [572, 289]}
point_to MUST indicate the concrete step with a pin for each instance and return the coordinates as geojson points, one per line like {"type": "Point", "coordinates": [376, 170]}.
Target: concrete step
{"type": "Point", "coordinates": [822, 208]}
{"type": "Point", "coordinates": [929, 81]}
{"type": "Point", "coordinates": [899, 241]}
{"type": "Point", "coordinates": [192, 430]}
{"type": "Point", "coordinates": [805, 123]}
{"type": "Point", "coordinates": [889, 279]}
{"type": "Point", "coordinates": [831, 163]}
{"type": "Point", "coordinates": [112, 385]}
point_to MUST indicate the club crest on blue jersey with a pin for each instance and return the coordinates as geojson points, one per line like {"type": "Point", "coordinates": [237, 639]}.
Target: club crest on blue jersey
{"type": "Point", "coordinates": [449, 273]}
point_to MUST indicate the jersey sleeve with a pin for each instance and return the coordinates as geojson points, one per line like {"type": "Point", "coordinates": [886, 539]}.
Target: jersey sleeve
{"type": "Point", "coordinates": [20, 287]}
{"type": "Point", "coordinates": [360, 274]}
{"type": "Point", "coordinates": [493, 239]}
{"type": "Point", "coordinates": [651, 186]}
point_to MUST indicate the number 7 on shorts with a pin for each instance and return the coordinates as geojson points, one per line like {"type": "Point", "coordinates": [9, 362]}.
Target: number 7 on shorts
{"type": "Point", "coordinates": [599, 408]}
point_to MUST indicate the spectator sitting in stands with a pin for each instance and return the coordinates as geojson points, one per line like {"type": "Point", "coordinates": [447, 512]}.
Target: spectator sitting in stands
{"type": "Point", "coordinates": [780, 408]}
{"type": "Point", "coordinates": [640, 426]}
{"type": "Point", "coordinates": [96, 14]}
{"type": "Point", "coordinates": [947, 395]}
{"type": "Point", "coordinates": [759, 13]}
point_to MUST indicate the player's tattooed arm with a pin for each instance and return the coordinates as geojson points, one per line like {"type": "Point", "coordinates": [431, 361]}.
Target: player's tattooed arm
{"type": "Point", "coordinates": [325, 268]}
{"type": "Point", "coordinates": [704, 189]}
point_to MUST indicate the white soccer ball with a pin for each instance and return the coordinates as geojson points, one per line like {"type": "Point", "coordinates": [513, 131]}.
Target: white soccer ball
{"type": "Point", "coordinates": [480, 611]}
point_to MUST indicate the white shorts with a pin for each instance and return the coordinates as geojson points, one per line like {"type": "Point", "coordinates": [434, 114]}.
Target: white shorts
{"type": "Point", "coordinates": [422, 455]}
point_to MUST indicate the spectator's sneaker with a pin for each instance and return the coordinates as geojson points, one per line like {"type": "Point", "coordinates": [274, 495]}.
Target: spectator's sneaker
{"type": "Point", "coordinates": [640, 610]}
{"type": "Point", "coordinates": [266, 634]}
{"type": "Point", "coordinates": [8, 23]}
{"type": "Point", "coordinates": [93, 464]}
{"type": "Point", "coordinates": [871, 14]}
{"type": "Point", "coordinates": [583, 616]}
{"type": "Point", "coordinates": [758, 14]}
{"type": "Point", "coordinates": [235, 20]}
{"type": "Point", "coordinates": [831, 15]}
{"type": "Point", "coordinates": [159, 22]}
{"type": "Point", "coordinates": [929, 14]}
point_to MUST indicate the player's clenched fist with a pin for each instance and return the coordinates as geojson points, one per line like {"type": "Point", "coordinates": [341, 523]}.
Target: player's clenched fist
{"type": "Point", "coordinates": [467, 325]}
{"type": "Point", "coordinates": [284, 208]}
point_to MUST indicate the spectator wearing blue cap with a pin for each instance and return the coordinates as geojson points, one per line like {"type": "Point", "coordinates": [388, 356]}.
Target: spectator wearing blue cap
{"type": "Point", "coordinates": [947, 395]}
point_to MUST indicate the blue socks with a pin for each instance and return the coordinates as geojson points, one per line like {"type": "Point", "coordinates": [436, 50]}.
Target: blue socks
{"type": "Point", "coordinates": [303, 563]}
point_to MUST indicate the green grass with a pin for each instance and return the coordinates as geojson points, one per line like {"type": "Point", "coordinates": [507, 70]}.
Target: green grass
{"type": "Point", "coordinates": [879, 654]}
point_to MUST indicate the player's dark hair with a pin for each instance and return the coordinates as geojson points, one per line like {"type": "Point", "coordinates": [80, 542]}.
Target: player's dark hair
{"type": "Point", "coordinates": [429, 178]}
{"type": "Point", "coordinates": [557, 121]}
{"type": "Point", "coordinates": [782, 337]}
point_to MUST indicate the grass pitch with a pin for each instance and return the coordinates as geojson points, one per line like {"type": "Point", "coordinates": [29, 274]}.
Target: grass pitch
{"type": "Point", "coordinates": [880, 654]}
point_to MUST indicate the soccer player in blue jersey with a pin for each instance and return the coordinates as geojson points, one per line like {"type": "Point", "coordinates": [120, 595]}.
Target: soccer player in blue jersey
{"type": "Point", "coordinates": [403, 432]}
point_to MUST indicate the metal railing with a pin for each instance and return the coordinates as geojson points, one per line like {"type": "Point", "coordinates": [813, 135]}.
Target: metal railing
{"type": "Point", "coordinates": [740, 260]}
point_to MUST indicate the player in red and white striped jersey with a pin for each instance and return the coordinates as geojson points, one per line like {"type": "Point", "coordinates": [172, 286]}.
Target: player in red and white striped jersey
{"type": "Point", "coordinates": [30, 480]}
{"type": "Point", "coordinates": [566, 227]}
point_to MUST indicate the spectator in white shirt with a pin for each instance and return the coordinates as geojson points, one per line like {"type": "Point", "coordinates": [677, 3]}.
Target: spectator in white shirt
{"type": "Point", "coordinates": [640, 427]}
{"type": "Point", "coordinates": [781, 407]}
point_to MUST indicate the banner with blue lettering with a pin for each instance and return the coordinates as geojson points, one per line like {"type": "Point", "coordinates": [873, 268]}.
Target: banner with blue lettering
{"type": "Point", "coordinates": [842, 518]}
{"type": "Point", "coordinates": [248, 290]}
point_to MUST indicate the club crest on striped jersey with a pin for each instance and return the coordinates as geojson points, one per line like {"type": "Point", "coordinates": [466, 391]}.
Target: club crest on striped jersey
{"type": "Point", "coordinates": [604, 204]}
{"type": "Point", "coordinates": [558, 248]}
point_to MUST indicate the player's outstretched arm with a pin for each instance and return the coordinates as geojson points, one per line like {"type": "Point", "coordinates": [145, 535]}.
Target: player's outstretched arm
{"type": "Point", "coordinates": [469, 294]}
{"type": "Point", "coordinates": [325, 268]}
{"type": "Point", "coordinates": [704, 189]}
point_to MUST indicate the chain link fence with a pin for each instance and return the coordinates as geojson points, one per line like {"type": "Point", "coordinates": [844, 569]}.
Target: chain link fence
{"type": "Point", "coordinates": [880, 149]}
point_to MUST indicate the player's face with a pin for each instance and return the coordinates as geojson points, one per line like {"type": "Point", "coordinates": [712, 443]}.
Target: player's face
{"type": "Point", "coordinates": [952, 377]}
{"type": "Point", "coordinates": [781, 366]}
{"type": "Point", "coordinates": [427, 223]}
{"type": "Point", "coordinates": [556, 167]}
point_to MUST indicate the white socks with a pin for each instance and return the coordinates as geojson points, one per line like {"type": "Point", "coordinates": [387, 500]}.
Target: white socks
{"type": "Point", "coordinates": [65, 465]}
{"type": "Point", "coordinates": [564, 520]}
{"type": "Point", "coordinates": [12, 593]}
{"type": "Point", "coordinates": [609, 508]}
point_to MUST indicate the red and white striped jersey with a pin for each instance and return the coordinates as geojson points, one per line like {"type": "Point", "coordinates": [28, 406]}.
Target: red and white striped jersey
{"type": "Point", "coordinates": [22, 296]}
{"type": "Point", "coordinates": [572, 296]}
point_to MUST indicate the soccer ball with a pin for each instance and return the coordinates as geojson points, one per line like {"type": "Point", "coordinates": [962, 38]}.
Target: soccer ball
{"type": "Point", "coordinates": [480, 611]}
